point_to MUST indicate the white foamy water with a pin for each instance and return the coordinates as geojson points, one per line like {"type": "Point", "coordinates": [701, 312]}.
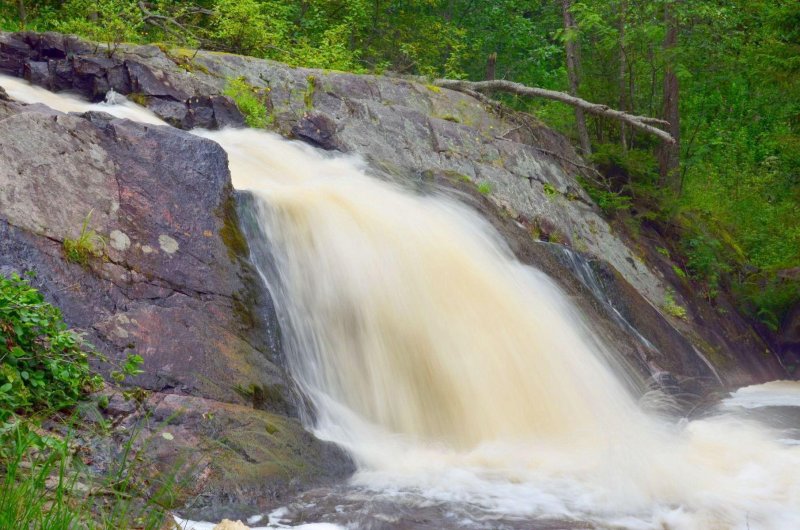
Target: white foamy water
{"type": "Point", "coordinates": [772, 394]}
{"type": "Point", "coordinates": [453, 373]}
{"type": "Point", "coordinates": [275, 522]}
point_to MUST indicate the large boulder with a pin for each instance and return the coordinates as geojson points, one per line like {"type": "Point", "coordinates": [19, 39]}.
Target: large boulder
{"type": "Point", "coordinates": [170, 281]}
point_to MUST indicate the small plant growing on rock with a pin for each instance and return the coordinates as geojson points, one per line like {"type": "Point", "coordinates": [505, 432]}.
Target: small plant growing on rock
{"type": "Point", "coordinates": [308, 95]}
{"type": "Point", "coordinates": [672, 307]}
{"type": "Point", "coordinates": [249, 102]}
{"type": "Point", "coordinates": [88, 244]}
{"type": "Point", "coordinates": [485, 188]}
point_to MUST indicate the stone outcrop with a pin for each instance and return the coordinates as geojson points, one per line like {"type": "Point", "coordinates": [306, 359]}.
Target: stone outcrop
{"type": "Point", "coordinates": [58, 62]}
{"type": "Point", "coordinates": [171, 282]}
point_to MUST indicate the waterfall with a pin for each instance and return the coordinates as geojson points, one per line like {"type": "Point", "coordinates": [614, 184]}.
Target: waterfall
{"type": "Point", "coordinates": [453, 373]}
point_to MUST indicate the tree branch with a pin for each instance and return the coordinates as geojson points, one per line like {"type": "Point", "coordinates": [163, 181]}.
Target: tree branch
{"type": "Point", "coordinates": [642, 123]}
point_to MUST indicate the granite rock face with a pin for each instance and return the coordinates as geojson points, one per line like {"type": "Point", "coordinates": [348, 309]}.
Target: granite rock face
{"type": "Point", "coordinates": [171, 280]}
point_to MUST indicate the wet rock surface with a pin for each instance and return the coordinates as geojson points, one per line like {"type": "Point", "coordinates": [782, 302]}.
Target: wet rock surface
{"type": "Point", "coordinates": [169, 280]}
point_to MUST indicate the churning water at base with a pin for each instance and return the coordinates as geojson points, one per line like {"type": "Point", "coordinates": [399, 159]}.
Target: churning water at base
{"type": "Point", "coordinates": [454, 374]}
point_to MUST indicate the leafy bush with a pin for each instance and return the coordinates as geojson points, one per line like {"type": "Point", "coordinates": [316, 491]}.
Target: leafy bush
{"type": "Point", "coordinates": [767, 298]}
{"type": "Point", "coordinates": [608, 201]}
{"type": "Point", "coordinates": [247, 99]}
{"type": "Point", "coordinates": [625, 166]}
{"type": "Point", "coordinates": [111, 22]}
{"type": "Point", "coordinates": [706, 261]}
{"type": "Point", "coordinates": [43, 364]}
{"type": "Point", "coordinates": [245, 27]}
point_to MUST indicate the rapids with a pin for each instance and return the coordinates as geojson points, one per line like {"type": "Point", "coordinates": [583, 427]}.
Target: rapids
{"type": "Point", "coordinates": [456, 376]}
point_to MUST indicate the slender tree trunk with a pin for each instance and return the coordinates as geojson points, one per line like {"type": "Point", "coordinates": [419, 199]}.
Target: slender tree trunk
{"type": "Point", "coordinates": [573, 73]}
{"type": "Point", "coordinates": [450, 11]}
{"type": "Point", "coordinates": [23, 13]}
{"type": "Point", "coordinates": [669, 155]}
{"type": "Point", "coordinates": [623, 59]}
{"type": "Point", "coordinates": [491, 65]}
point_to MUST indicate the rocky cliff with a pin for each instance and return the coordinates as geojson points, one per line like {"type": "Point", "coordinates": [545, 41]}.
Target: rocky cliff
{"type": "Point", "coordinates": [171, 282]}
{"type": "Point", "coordinates": [174, 283]}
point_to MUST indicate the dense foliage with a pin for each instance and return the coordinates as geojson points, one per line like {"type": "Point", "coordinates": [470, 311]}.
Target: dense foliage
{"type": "Point", "coordinates": [42, 363]}
{"type": "Point", "coordinates": [735, 68]}
{"type": "Point", "coordinates": [44, 366]}
{"type": "Point", "coordinates": [44, 369]}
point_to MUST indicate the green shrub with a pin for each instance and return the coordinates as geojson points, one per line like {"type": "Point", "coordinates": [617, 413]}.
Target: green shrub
{"type": "Point", "coordinates": [621, 166]}
{"type": "Point", "coordinates": [767, 298]}
{"type": "Point", "coordinates": [248, 101]}
{"type": "Point", "coordinates": [608, 201]}
{"type": "Point", "coordinates": [706, 262]}
{"type": "Point", "coordinates": [245, 27]}
{"type": "Point", "coordinates": [43, 364]}
{"type": "Point", "coordinates": [679, 272]}
{"type": "Point", "coordinates": [111, 22]}
{"type": "Point", "coordinates": [485, 188]}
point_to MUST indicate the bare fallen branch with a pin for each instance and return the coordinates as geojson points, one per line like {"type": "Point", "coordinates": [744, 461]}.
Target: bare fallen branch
{"type": "Point", "coordinates": [642, 123]}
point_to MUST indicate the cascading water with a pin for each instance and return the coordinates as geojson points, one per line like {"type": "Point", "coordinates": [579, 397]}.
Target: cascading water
{"type": "Point", "coordinates": [452, 373]}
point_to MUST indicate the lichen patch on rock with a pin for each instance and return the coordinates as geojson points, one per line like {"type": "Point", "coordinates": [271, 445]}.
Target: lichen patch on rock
{"type": "Point", "coordinates": [168, 244]}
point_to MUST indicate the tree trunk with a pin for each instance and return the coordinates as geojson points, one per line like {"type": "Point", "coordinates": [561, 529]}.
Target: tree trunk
{"type": "Point", "coordinates": [669, 155]}
{"type": "Point", "coordinates": [475, 89]}
{"type": "Point", "coordinates": [573, 73]}
{"type": "Point", "coordinates": [23, 13]}
{"type": "Point", "coordinates": [491, 65]}
{"type": "Point", "coordinates": [623, 59]}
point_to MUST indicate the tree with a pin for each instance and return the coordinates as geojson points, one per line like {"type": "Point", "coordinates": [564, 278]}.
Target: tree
{"type": "Point", "coordinates": [669, 154]}
{"type": "Point", "coordinates": [623, 100]}
{"type": "Point", "coordinates": [475, 88]}
{"type": "Point", "coordinates": [22, 13]}
{"type": "Point", "coordinates": [573, 73]}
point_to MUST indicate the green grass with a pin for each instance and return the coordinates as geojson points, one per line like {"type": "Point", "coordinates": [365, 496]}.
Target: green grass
{"type": "Point", "coordinates": [485, 188]}
{"type": "Point", "coordinates": [44, 486]}
{"type": "Point", "coordinates": [87, 245]}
